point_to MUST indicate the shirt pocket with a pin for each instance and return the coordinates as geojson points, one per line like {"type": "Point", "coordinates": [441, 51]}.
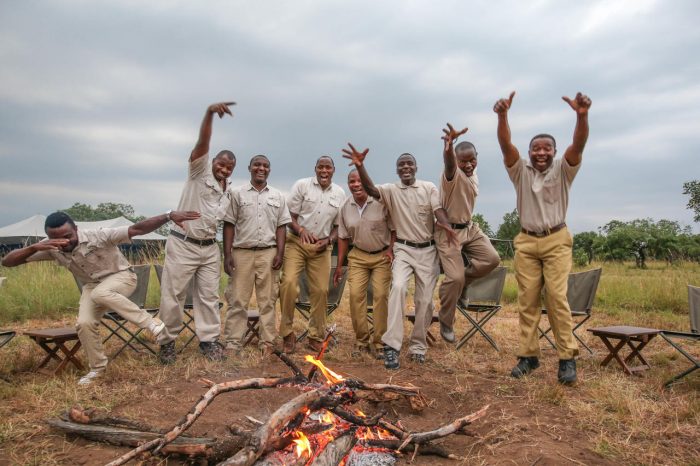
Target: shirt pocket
{"type": "Point", "coordinates": [551, 191]}
{"type": "Point", "coordinates": [424, 211]}
{"type": "Point", "coordinates": [334, 201]}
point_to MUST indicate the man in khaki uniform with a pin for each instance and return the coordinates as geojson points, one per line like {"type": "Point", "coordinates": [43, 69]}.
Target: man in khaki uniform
{"type": "Point", "coordinates": [543, 247]}
{"type": "Point", "coordinates": [192, 253]}
{"type": "Point", "coordinates": [108, 279]}
{"type": "Point", "coordinates": [413, 205]}
{"type": "Point", "coordinates": [254, 238]}
{"type": "Point", "coordinates": [365, 221]}
{"type": "Point", "coordinates": [459, 186]}
{"type": "Point", "coordinates": [313, 204]}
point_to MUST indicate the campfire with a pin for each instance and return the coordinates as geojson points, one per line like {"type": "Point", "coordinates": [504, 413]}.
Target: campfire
{"type": "Point", "coordinates": [318, 427]}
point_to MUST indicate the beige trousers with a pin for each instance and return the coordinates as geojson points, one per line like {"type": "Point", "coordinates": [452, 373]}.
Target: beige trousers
{"type": "Point", "coordinates": [483, 259]}
{"type": "Point", "coordinates": [361, 268]}
{"type": "Point", "coordinates": [183, 261]}
{"type": "Point", "coordinates": [544, 262]}
{"type": "Point", "coordinates": [298, 257]}
{"type": "Point", "coordinates": [253, 269]}
{"type": "Point", "coordinates": [423, 264]}
{"type": "Point", "coordinates": [111, 294]}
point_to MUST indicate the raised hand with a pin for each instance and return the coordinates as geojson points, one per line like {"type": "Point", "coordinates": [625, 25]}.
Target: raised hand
{"type": "Point", "coordinates": [503, 105]}
{"type": "Point", "coordinates": [451, 135]}
{"type": "Point", "coordinates": [221, 108]}
{"type": "Point", "coordinates": [581, 103]}
{"type": "Point", "coordinates": [356, 158]}
{"type": "Point", "coordinates": [178, 217]}
{"type": "Point", "coordinates": [50, 244]}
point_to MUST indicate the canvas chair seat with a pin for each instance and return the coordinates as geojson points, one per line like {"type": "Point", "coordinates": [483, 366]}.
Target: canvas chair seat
{"type": "Point", "coordinates": [335, 293]}
{"type": "Point", "coordinates": [483, 299]}
{"type": "Point", "coordinates": [6, 336]}
{"type": "Point", "coordinates": [694, 335]}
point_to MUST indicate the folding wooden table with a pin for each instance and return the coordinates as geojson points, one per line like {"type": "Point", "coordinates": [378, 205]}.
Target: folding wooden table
{"type": "Point", "coordinates": [636, 338]}
{"type": "Point", "coordinates": [55, 342]}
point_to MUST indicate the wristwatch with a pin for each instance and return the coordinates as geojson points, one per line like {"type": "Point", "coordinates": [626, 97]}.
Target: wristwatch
{"type": "Point", "coordinates": [167, 214]}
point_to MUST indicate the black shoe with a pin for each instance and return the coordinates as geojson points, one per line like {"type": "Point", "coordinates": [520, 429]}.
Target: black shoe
{"type": "Point", "coordinates": [418, 358]}
{"type": "Point", "coordinates": [525, 366]}
{"type": "Point", "coordinates": [567, 371]}
{"type": "Point", "coordinates": [167, 353]}
{"type": "Point", "coordinates": [212, 350]}
{"type": "Point", "coordinates": [391, 358]}
{"type": "Point", "coordinates": [447, 333]}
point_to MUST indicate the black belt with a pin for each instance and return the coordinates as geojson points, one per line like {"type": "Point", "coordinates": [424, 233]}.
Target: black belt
{"type": "Point", "coordinates": [372, 252]}
{"type": "Point", "coordinates": [200, 242]}
{"type": "Point", "coordinates": [547, 232]}
{"type": "Point", "coordinates": [460, 226]}
{"type": "Point", "coordinates": [258, 248]}
{"type": "Point", "coordinates": [427, 244]}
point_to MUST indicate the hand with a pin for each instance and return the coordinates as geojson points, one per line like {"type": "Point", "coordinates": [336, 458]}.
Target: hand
{"type": "Point", "coordinates": [277, 261]}
{"type": "Point", "coordinates": [322, 244]}
{"type": "Point", "coordinates": [451, 234]}
{"type": "Point", "coordinates": [356, 158]}
{"type": "Point", "coordinates": [337, 275]}
{"type": "Point", "coordinates": [581, 103]}
{"type": "Point", "coordinates": [229, 265]}
{"type": "Point", "coordinates": [221, 108]}
{"type": "Point", "coordinates": [306, 237]}
{"type": "Point", "coordinates": [180, 216]}
{"type": "Point", "coordinates": [389, 255]}
{"type": "Point", "coordinates": [451, 135]}
{"type": "Point", "coordinates": [51, 244]}
{"type": "Point", "coordinates": [503, 105]}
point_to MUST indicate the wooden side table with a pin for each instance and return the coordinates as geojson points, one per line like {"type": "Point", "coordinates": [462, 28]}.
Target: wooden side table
{"type": "Point", "coordinates": [55, 342]}
{"type": "Point", "coordinates": [634, 337]}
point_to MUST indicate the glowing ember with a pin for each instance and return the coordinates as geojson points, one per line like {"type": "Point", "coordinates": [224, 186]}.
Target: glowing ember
{"type": "Point", "coordinates": [360, 413]}
{"type": "Point", "coordinates": [328, 418]}
{"type": "Point", "coordinates": [331, 376]}
{"type": "Point", "coordinates": [302, 444]}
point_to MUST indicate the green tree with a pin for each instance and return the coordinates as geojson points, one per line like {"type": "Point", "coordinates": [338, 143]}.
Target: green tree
{"type": "Point", "coordinates": [103, 211]}
{"type": "Point", "coordinates": [586, 242]}
{"type": "Point", "coordinates": [483, 224]}
{"type": "Point", "coordinates": [692, 189]}
{"type": "Point", "coordinates": [507, 230]}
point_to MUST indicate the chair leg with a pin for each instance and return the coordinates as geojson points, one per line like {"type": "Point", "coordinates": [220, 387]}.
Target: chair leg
{"type": "Point", "coordinates": [477, 326]}
{"type": "Point", "coordinates": [688, 356]}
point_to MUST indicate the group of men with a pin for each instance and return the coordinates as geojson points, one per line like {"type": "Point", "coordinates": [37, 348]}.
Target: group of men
{"type": "Point", "coordinates": [387, 233]}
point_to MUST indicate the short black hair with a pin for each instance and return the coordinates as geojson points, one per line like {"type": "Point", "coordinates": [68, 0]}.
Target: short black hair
{"type": "Point", "coordinates": [543, 135]}
{"type": "Point", "coordinates": [57, 219]}
{"type": "Point", "coordinates": [250, 164]}
{"type": "Point", "coordinates": [226, 153]}
{"type": "Point", "coordinates": [325, 157]}
{"type": "Point", "coordinates": [354, 170]}
{"type": "Point", "coordinates": [466, 145]}
{"type": "Point", "coordinates": [406, 154]}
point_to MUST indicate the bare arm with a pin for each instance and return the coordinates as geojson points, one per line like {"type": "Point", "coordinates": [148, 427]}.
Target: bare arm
{"type": "Point", "coordinates": [201, 148]}
{"type": "Point", "coordinates": [20, 256]}
{"type": "Point", "coordinates": [229, 235]}
{"type": "Point", "coordinates": [343, 246]}
{"type": "Point", "coordinates": [151, 224]}
{"type": "Point", "coordinates": [358, 159]}
{"type": "Point", "coordinates": [510, 152]}
{"type": "Point", "coordinates": [580, 104]}
{"type": "Point", "coordinates": [444, 223]}
{"type": "Point", "coordinates": [305, 236]}
{"type": "Point", "coordinates": [448, 152]}
{"type": "Point", "coordinates": [281, 238]}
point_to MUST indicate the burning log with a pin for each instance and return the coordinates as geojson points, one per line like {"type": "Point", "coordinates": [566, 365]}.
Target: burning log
{"type": "Point", "coordinates": [336, 450]}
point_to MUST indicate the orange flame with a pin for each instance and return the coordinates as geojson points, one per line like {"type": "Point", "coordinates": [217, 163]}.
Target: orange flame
{"type": "Point", "coordinates": [360, 413]}
{"type": "Point", "coordinates": [328, 418]}
{"type": "Point", "coordinates": [302, 444]}
{"type": "Point", "coordinates": [331, 376]}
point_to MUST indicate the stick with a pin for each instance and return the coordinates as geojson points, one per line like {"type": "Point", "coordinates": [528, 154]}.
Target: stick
{"type": "Point", "coordinates": [425, 449]}
{"type": "Point", "coordinates": [291, 364]}
{"type": "Point", "coordinates": [357, 420]}
{"type": "Point", "coordinates": [324, 346]}
{"type": "Point", "coordinates": [423, 437]}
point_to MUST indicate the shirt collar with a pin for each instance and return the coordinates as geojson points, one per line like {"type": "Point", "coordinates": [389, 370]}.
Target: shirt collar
{"type": "Point", "coordinates": [253, 188]}
{"type": "Point", "coordinates": [369, 199]}
{"type": "Point", "coordinates": [315, 181]}
{"type": "Point", "coordinates": [403, 186]}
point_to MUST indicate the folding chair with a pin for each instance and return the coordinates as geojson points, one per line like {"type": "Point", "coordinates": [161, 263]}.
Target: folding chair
{"type": "Point", "coordinates": [581, 294]}
{"type": "Point", "coordinates": [693, 335]}
{"type": "Point", "coordinates": [483, 298]}
{"type": "Point", "coordinates": [429, 337]}
{"type": "Point", "coordinates": [6, 336]}
{"type": "Point", "coordinates": [335, 293]}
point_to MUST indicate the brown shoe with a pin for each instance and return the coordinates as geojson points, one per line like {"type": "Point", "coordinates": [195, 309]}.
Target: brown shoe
{"type": "Point", "coordinates": [314, 345]}
{"type": "Point", "coordinates": [288, 343]}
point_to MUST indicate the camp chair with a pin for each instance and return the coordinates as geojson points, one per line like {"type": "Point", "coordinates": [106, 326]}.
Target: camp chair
{"type": "Point", "coordinates": [117, 325]}
{"type": "Point", "coordinates": [693, 335]}
{"type": "Point", "coordinates": [188, 319]}
{"type": "Point", "coordinates": [335, 293]}
{"type": "Point", "coordinates": [5, 335]}
{"type": "Point", "coordinates": [483, 298]}
{"type": "Point", "coordinates": [581, 294]}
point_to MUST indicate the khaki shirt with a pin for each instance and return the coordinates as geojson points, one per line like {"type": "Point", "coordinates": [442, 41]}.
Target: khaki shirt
{"type": "Point", "coordinates": [202, 193]}
{"type": "Point", "coordinates": [256, 215]}
{"type": "Point", "coordinates": [459, 196]}
{"type": "Point", "coordinates": [369, 230]}
{"type": "Point", "coordinates": [542, 197]}
{"type": "Point", "coordinates": [317, 208]}
{"type": "Point", "coordinates": [95, 257]}
{"type": "Point", "coordinates": [411, 208]}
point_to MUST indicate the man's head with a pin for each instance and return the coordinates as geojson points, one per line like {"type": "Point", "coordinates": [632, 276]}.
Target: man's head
{"type": "Point", "coordinates": [59, 225]}
{"type": "Point", "coordinates": [466, 157]}
{"type": "Point", "coordinates": [542, 150]}
{"type": "Point", "coordinates": [259, 168]}
{"type": "Point", "coordinates": [223, 164]}
{"type": "Point", "coordinates": [325, 167]}
{"type": "Point", "coordinates": [406, 168]}
{"type": "Point", "coordinates": [355, 186]}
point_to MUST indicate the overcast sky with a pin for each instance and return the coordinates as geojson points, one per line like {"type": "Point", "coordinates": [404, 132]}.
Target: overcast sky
{"type": "Point", "coordinates": [101, 101]}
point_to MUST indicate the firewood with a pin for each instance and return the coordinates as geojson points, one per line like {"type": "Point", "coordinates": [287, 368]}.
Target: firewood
{"type": "Point", "coordinates": [419, 438]}
{"type": "Point", "coordinates": [336, 450]}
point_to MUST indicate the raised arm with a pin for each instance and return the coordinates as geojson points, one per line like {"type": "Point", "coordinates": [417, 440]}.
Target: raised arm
{"type": "Point", "coordinates": [201, 148]}
{"type": "Point", "coordinates": [358, 159]}
{"type": "Point", "coordinates": [580, 104]}
{"type": "Point", "coordinates": [510, 152]}
{"type": "Point", "coordinates": [448, 152]}
{"type": "Point", "coordinates": [151, 224]}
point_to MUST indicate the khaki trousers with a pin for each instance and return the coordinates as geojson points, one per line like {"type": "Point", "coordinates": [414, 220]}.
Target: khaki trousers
{"type": "Point", "coordinates": [423, 264]}
{"type": "Point", "coordinates": [183, 262]}
{"type": "Point", "coordinates": [253, 269]}
{"type": "Point", "coordinates": [96, 299]}
{"type": "Point", "coordinates": [483, 258]}
{"type": "Point", "coordinates": [361, 268]}
{"type": "Point", "coordinates": [298, 257]}
{"type": "Point", "coordinates": [544, 262]}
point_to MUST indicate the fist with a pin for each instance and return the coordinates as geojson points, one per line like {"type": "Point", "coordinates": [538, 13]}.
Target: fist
{"type": "Point", "coordinates": [503, 105]}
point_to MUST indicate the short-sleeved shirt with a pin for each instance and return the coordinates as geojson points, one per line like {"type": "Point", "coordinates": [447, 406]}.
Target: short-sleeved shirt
{"type": "Point", "coordinates": [368, 228]}
{"type": "Point", "coordinates": [256, 215]}
{"type": "Point", "coordinates": [95, 257]}
{"type": "Point", "coordinates": [458, 196]}
{"type": "Point", "coordinates": [317, 208]}
{"type": "Point", "coordinates": [203, 193]}
{"type": "Point", "coordinates": [543, 197]}
{"type": "Point", "coordinates": [411, 208]}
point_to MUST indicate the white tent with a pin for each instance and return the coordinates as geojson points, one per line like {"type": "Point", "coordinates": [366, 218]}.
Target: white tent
{"type": "Point", "coordinates": [31, 230]}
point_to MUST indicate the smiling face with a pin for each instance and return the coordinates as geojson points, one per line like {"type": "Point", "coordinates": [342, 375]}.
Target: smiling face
{"type": "Point", "coordinates": [259, 169]}
{"type": "Point", "coordinates": [542, 152]}
{"type": "Point", "coordinates": [355, 186]}
{"type": "Point", "coordinates": [65, 231]}
{"type": "Point", "coordinates": [222, 166]}
{"type": "Point", "coordinates": [406, 168]}
{"type": "Point", "coordinates": [324, 171]}
{"type": "Point", "coordinates": [466, 159]}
